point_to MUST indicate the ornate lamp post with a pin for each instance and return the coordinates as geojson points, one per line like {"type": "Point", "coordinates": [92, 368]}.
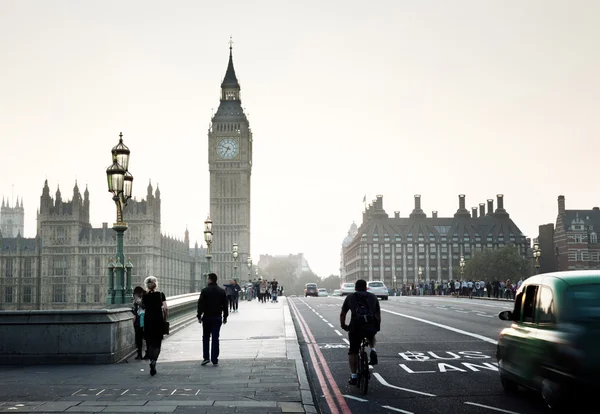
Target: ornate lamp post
{"type": "Point", "coordinates": [208, 238]}
{"type": "Point", "coordinates": [249, 263]}
{"type": "Point", "coordinates": [235, 257]}
{"type": "Point", "coordinates": [537, 253]}
{"type": "Point", "coordinates": [420, 272]}
{"type": "Point", "coordinates": [120, 184]}
{"type": "Point", "coordinates": [462, 265]}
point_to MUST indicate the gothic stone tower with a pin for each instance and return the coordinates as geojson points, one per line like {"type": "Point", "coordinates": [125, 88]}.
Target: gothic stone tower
{"type": "Point", "coordinates": [230, 166]}
{"type": "Point", "coordinates": [12, 219]}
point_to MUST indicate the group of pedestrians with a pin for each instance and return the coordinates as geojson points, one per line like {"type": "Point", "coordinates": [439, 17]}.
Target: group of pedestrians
{"type": "Point", "coordinates": [265, 291]}
{"type": "Point", "coordinates": [151, 317]}
{"type": "Point", "coordinates": [151, 320]}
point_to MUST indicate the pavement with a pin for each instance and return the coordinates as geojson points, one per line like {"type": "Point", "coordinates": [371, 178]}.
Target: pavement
{"type": "Point", "coordinates": [260, 370]}
{"type": "Point", "coordinates": [436, 355]}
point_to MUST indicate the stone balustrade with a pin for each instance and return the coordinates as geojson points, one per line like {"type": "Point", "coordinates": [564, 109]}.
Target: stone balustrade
{"type": "Point", "coordinates": [90, 336]}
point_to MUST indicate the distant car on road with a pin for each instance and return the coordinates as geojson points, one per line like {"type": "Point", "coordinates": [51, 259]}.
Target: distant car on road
{"type": "Point", "coordinates": [311, 290]}
{"type": "Point", "coordinates": [337, 292]}
{"type": "Point", "coordinates": [323, 292]}
{"type": "Point", "coordinates": [347, 288]}
{"type": "Point", "coordinates": [378, 289]}
{"type": "Point", "coordinates": [552, 343]}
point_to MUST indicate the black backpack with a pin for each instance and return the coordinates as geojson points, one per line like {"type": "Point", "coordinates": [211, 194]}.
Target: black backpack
{"type": "Point", "coordinates": [363, 314]}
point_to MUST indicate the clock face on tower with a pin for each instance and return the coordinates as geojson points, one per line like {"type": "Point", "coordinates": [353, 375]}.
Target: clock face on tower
{"type": "Point", "coordinates": [227, 148]}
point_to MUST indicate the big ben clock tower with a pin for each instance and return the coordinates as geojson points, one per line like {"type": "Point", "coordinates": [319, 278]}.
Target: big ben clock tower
{"type": "Point", "coordinates": [230, 166]}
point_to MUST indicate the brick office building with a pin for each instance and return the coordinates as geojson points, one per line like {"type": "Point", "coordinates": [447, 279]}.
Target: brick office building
{"type": "Point", "coordinates": [576, 238]}
{"type": "Point", "coordinates": [392, 249]}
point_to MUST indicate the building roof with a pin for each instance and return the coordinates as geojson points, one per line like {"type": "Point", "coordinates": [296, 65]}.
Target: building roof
{"type": "Point", "coordinates": [10, 244]}
{"type": "Point", "coordinates": [590, 219]}
{"type": "Point", "coordinates": [230, 80]}
{"type": "Point", "coordinates": [496, 224]}
{"type": "Point", "coordinates": [230, 111]}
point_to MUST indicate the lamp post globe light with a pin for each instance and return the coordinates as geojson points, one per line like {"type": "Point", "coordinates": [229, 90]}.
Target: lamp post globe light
{"type": "Point", "coordinates": [120, 184]}
{"type": "Point", "coordinates": [537, 253]}
{"type": "Point", "coordinates": [462, 264]}
{"type": "Point", "coordinates": [235, 257]}
{"type": "Point", "coordinates": [208, 238]}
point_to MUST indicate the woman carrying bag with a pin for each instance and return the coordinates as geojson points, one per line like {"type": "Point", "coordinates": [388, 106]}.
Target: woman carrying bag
{"type": "Point", "coordinates": [155, 320]}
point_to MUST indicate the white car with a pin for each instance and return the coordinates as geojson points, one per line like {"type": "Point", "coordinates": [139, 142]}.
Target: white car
{"type": "Point", "coordinates": [347, 288]}
{"type": "Point", "coordinates": [378, 289]}
{"type": "Point", "coordinates": [337, 292]}
{"type": "Point", "coordinates": [323, 292]}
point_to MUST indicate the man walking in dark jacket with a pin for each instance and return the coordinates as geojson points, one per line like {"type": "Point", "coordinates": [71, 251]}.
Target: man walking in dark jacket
{"type": "Point", "coordinates": [212, 312]}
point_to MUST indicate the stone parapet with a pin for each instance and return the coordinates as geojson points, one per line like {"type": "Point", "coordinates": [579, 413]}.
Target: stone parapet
{"type": "Point", "coordinates": [90, 336]}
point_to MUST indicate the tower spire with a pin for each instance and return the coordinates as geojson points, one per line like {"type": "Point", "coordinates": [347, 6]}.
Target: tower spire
{"type": "Point", "coordinates": [230, 80]}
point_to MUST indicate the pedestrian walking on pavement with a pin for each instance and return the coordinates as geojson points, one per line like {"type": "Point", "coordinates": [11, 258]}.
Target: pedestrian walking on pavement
{"type": "Point", "coordinates": [138, 321]}
{"type": "Point", "coordinates": [212, 313]}
{"type": "Point", "coordinates": [236, 294]}
{"type": "Point", "coordinates": [156, 315]}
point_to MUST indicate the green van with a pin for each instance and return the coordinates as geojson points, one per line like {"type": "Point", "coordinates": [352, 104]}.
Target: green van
{"type": "Point", "coordinates": [553, 343]}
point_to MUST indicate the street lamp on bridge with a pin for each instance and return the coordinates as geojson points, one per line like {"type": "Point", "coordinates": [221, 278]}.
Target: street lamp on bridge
{"type": "Point", "coordinates": [208, 238]}
{"type": "Point", "coordinates": [120, 184]}
{"type": "Point", "coordinates": [235, 257]}
{"type": "Point", "coordinates": [462, 265]}
{"type": "Point", "coordinates": [537, 253]}
{"type": "Point", "coordinates": [249, 263]}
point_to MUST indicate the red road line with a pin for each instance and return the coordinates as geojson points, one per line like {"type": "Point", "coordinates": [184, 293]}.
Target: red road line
{"type": "Point", "coordinates": [336, 390]}
{"type": "Point", "coordinates": [330, 402]}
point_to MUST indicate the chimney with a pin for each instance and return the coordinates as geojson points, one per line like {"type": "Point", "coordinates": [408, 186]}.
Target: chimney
{"type": "Point", "coordinates": [596, 208]}
{"type": "Point", "coordinates": [396, 214]}
{"type": "Point", "coordinates": [561, 204]}
{"type": "Point", "coordinates": [490, 206]}
{"type": "Point", "coordinates": [474, 212]}
{"type": "Point", "coordinates": [500, 211]}
{"type": "Point", "coordinates": [481, 209]}
{"type": "Point", "coordinates": [462, 211]}
{"type": "Point", "coordinates": [417, 212]}
{"type": "Point", "coordinates": [434, 214]}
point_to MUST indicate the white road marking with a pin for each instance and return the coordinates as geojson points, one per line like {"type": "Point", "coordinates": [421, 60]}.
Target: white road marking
{"type": "Point", "coordinates": [385, 383]}
{"type": "Point", "coordinates": [330, 325]}
{"type": "Point", "coordinates": [487, 316]}
{"type": "Point", "coordinates": [338, 332]}
{"type": "Point", "coordinates": [324, 320]}
{"type": "Point", "coordinates": [101, 392]}
{"type": "Point", "coordinates": [397, 409]}
{"type": "Point", "coordinates": [347, 341]}
{"type": "Point", "coordinates": [352, 397]}
{"type": "Point", "coordinates": [491, 408]}
{"type": "Point", "coordinates": [174, 391]}
{"type": "Point", "coordinates": [449, 328]}
{"type": "Point", "coordinates": [75, 392]}
{"type": "Point", "coordinates": [461, 311]}
{"type": "Point", "coordinates": [125, 392]}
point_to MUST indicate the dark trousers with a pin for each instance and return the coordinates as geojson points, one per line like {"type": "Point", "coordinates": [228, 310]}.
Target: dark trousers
{"type": "Point", "coordinates": [211, 326]}
{"type": "Point", "coordinates": [230, 301]}
{"type": "Point", "coordinates": [235, 302]}
{"type": "Point", "coordinates": [139, 338]}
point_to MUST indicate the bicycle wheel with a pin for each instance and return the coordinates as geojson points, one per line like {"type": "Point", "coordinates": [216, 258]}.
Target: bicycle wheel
{"type": "Point", "coordinates": [364, 372]}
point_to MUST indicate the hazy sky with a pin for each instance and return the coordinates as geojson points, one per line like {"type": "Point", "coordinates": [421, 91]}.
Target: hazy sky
{"type": "Point", "coordinates": [345, 98]}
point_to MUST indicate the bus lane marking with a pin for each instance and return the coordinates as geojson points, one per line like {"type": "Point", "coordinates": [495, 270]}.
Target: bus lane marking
{"type": "Point", "coordinates": [397, 409]}
{"type": "Point", "coordinates": [387, 384]}
{"type": "Point", "coordinates": [491, 408]}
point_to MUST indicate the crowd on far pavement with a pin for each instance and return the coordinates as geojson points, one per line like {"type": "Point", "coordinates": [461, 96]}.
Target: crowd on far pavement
{"type": "Point", "coordinates": [498, 289]}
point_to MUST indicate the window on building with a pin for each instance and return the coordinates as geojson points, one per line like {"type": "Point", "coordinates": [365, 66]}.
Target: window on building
{"type": "Point", "coordinates": [593, 238]}
{"type": "Point", "coordinates": [572, 255]}
{"type": "Point", "coordinates": [27, 267]}
{"type": "Point", "coordinates": [432, 248]}
{"type": "Point", "coordinates": [9, 267]}
{"type": "Point", "coordinates": [8, 294]}
{"type": "Point", "coordinates": [59, 293]}
{"type": "Point", "coordinates": [84, 266]}
{"type": "Point", "coordinates": [27, 294]}
{"type": "Point", "coordinates": [83, 294]}
{"type": "Point", "coordinates": [421, 248]}
{"type": "Point", "coordinates": [409, 248]}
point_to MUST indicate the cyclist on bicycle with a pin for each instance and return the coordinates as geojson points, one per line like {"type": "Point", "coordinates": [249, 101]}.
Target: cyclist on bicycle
{"type": "Point", "coordinates": [365, 322]}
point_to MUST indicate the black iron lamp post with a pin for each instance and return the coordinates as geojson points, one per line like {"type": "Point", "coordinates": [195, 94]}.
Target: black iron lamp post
{"type": "Point", "coordinates": [235, 258]}
{"type": "Point", "coordinates": [537, 253]}
{"type": "Point", "coordinates": [249, 263]}
{"type": "Point", "coordinates": [120, 184]}
{"type": "Point", "coordinates": [208, 238]}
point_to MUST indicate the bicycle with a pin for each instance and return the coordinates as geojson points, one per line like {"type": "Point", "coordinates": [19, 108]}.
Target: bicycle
{"type": "Point", "coordinates": [363, 373]}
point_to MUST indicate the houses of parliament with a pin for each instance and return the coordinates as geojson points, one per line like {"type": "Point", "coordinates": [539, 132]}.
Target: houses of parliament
{"type": "Point", "coordinates": [65, 265]}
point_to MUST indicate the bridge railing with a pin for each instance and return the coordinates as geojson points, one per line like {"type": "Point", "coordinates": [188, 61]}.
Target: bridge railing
{"type": "Point", "coordinates": [86, 336]}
